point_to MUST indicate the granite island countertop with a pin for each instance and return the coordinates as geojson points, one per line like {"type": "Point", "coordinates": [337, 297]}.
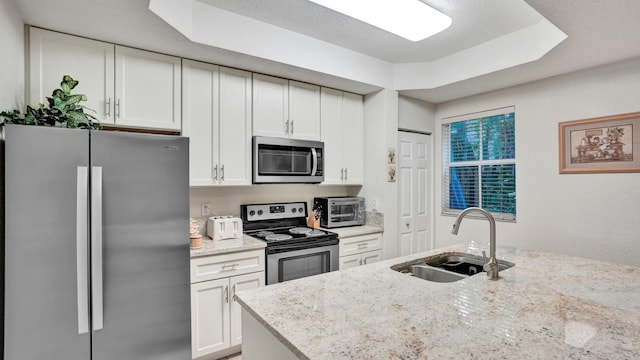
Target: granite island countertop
{"type": "Point", "coordinates": [545, 307]}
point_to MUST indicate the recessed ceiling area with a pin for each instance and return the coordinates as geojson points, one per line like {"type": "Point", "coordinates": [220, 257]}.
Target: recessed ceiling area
{"type": "Point", "coordinates": [474, 22]}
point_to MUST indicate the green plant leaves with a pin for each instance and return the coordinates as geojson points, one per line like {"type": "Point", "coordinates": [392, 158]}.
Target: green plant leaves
{"type": "Point", "coordinates": [64, 110]}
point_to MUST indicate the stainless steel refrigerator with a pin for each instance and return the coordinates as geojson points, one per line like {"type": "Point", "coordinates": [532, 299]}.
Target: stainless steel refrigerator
{"type": "Point", "coordinates": [96, 249]}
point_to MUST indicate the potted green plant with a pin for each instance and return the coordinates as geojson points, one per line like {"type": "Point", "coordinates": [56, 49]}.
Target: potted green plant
{"type": "Point", "coordinates": [64, 110]}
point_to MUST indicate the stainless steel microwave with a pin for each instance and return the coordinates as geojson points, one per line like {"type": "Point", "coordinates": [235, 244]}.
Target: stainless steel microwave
{"type": "Point", "coordinates": [340, 211]}
{"type": "Point", "coordinates": [283, 160]}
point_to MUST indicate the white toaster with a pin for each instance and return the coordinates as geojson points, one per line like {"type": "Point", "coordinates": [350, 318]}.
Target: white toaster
{"type": "Point", "coordinates": [224, 227]}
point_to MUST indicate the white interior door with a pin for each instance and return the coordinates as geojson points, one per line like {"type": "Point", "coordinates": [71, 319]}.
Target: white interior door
{"type": "Point", "coordinates": [414, 174]}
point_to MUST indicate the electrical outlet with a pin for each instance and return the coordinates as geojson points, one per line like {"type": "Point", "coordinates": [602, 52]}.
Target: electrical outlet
{"type": "Point", "coordinates": [205, 209]}
{"type": "Point", "coordinates": [374, 204]}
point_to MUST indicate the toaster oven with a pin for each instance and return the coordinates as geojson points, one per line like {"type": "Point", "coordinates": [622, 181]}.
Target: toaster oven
{"type": "Point", "coordinates": [340, 211]}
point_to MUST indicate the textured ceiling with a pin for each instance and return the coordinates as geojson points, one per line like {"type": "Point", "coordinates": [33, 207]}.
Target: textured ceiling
{"type": "Point", "coordinates": [474, 22]}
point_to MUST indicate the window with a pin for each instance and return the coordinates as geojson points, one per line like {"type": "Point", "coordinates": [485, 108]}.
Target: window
{"type": "Point", "coordinates": [479, 163]}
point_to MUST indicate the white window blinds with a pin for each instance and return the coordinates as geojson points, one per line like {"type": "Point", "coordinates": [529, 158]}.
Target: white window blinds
{"type": "Point", "coordinates": [479, 163]}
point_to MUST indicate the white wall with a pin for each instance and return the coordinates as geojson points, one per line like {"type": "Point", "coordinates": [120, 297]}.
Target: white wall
{"type": "Point", "coordinates": [381, 133]}
{"type": "Point", "coordinates": [415, 114]}
{"type": "Point", "coordinates": [589, 215]}
{"type": "Point", "coordinates": [12, 63]}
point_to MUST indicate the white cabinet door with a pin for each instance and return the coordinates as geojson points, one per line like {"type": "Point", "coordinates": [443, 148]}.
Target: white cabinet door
{"type": "Point", "coordinates": [200, 89]}
{"type": "Point", "coordinates": [234, 130]}
{"type": "Point", "coordinates": [331, 131]}
{"type": "Point", "coordinates": [147, 89]}
{"type": "Point", "coordinates": [349, 261]}
{"type": "Point", "coordinates": [371, 257]}
{"type": "Point", "coordinates": [270, 106]}
{"type": "Point", "coordinates": [53, 55]}
{"type": "Point", "coordinates": [343, 137]}
{"type": "Point", "coordinates": [353, 138]}
{"type": "Point", "coordinates": [240, 283]}
{"type": "Point", "coordinates": [209, 317]}
{"type": "Point", "coordinates": [217, 119]}
{"type": "Point", "coordinates": [304, 111]}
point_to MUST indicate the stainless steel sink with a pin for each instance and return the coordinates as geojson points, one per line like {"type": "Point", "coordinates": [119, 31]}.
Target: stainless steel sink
{"type": "Point", "coordinates": [433, 274]}
{"type": "Point", "coordinates": [447, 267]}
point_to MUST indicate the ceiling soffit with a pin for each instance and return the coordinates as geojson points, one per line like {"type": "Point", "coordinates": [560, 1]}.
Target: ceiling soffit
{"type": "Point", "coordinates": [206, 24]}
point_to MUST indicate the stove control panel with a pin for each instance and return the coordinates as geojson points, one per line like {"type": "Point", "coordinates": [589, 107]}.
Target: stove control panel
{"type": "Point", "coordinates": [259, 212]}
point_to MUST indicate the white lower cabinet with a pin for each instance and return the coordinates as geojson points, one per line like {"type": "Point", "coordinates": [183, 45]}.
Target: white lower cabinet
{"type": "Point", "coordinates": [365, 258]}
{"type": "Point", "coordinates": [216, 323]}
{"type": "Point", "coordinates": [360, 250]}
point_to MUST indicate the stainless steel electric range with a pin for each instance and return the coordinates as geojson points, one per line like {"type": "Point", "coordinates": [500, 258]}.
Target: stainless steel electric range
{"type": "Point", "coordinates": [293, 250]}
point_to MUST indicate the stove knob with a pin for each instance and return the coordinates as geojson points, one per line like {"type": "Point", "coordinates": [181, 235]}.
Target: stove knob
{"type": "Point", "coordinates": [293, 210]}
{"type": "Point", "coordinates": [252, 212]}
{"type": "Point", "coordinates": [259, 212]}
{"type": "Point", "coordinates": [300, 210]}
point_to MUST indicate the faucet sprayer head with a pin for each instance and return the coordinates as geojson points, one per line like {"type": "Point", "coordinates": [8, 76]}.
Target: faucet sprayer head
{"type": "Point", "coordinates": [454, 229]}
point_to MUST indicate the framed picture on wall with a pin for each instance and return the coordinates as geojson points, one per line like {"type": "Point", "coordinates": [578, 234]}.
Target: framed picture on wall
{"type": "Point", "coordinates": [608, 144]}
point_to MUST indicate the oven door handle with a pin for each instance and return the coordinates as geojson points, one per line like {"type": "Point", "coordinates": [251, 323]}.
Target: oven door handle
{"type": "Point", "coordinates": [314, 155]}
{"type": "Point", "coordinates": [275, 249]}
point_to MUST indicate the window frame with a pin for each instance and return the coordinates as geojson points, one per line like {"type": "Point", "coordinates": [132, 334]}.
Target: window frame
{"type": "Point", "coordinates": [447, 164]}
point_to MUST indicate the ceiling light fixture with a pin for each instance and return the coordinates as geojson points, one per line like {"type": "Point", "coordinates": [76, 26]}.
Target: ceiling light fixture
{"type": "Point", "coordinates": [410, 19]}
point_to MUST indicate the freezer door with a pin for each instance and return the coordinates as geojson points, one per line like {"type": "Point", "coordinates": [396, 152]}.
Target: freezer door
{"type": "Point", "coordinates": [142, 310]}
{"type": "Point", "coordinates": [45, 204]}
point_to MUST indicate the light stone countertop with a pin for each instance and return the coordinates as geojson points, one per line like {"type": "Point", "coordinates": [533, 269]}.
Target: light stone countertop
{"type": "Point", "coordinates": [355, 230]}
{"type": "Point", "coordinates": [211, 247]}
{"type": "Point", "coordinates": [545, 307]}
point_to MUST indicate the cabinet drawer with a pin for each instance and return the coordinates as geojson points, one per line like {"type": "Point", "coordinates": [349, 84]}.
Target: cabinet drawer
{"type": "Point", "coordinates": [361, 243]}
{"type": "Point", "coordinates": [225, 265]}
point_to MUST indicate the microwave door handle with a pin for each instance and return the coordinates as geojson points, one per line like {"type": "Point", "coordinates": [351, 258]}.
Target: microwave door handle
{"type": "Point", "coordinates": [314, 167]}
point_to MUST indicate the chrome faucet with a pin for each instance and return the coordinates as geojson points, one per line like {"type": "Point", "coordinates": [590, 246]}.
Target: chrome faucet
{"type": "Point", "coordinates": [490, 266]}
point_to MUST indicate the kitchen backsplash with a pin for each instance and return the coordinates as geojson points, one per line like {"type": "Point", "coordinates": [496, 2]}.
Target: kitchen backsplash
{"type": "Point", "coordinates": [374, 218]}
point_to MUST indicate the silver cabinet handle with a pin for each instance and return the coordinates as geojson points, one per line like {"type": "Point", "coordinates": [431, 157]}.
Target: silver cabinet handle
{"type": "Point", "coordinates": [96, 247]}
{"type": "Point", "coordinates": [363, 245]}
{"type": "Point", "coordinates": [222, 172]}
{"type": "Point", "coordinates": [118, 108]}
{"type": "Point", "coordinates": [81, 248]}
{"type": "Point", "coordinates": [286, 131]}
{"type": "Point", "coordinates": [233, 293]}
{"type": "Point", "coordinates": [107, 106]}
{"type": "Point", "coordinates": [231, 266]}
{"type": "Point", "coordinates": [342, 174]}
{"type": "Point", "coordinates": [346, 176]}
{"type": "Point", "coordinates": [360, 262]}
{"type": "Point", "coordinates": [226, 294]}
{"type": "Point", "coordinates": [215, 172]}
{"type": "Point", "coordinates": [364, 261]}
{"type": "Point", "coordinates": [291, 127]}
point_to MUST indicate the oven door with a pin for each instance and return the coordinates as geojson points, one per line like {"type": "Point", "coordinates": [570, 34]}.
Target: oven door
{"type": "Point", "coordinates": [297, 263]}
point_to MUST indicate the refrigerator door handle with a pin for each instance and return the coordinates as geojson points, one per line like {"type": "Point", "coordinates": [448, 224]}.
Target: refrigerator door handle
{"type": "Point", "coordinates": [81, 249]}
{"type": "Point", "coordinates": [96, 248]}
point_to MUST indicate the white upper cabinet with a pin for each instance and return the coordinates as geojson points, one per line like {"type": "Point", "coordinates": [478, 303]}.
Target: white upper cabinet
{"type": "Point", "coordinates": [304, 111]}
{"type": "Point", "coordinates": [217, 120]}
{"type": "Point", "coordinates": [125, 87]}
{"type": "Point", "coordinates": [331, 118]}
{"type": "Point", "coordinates": [343, 136]}
{"type": "Point", "coordinates": [53, 55]}
{"type": "Point", "coordinates": [285, 108]}
{"type": "Point", "coordinates": [147, 89]}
